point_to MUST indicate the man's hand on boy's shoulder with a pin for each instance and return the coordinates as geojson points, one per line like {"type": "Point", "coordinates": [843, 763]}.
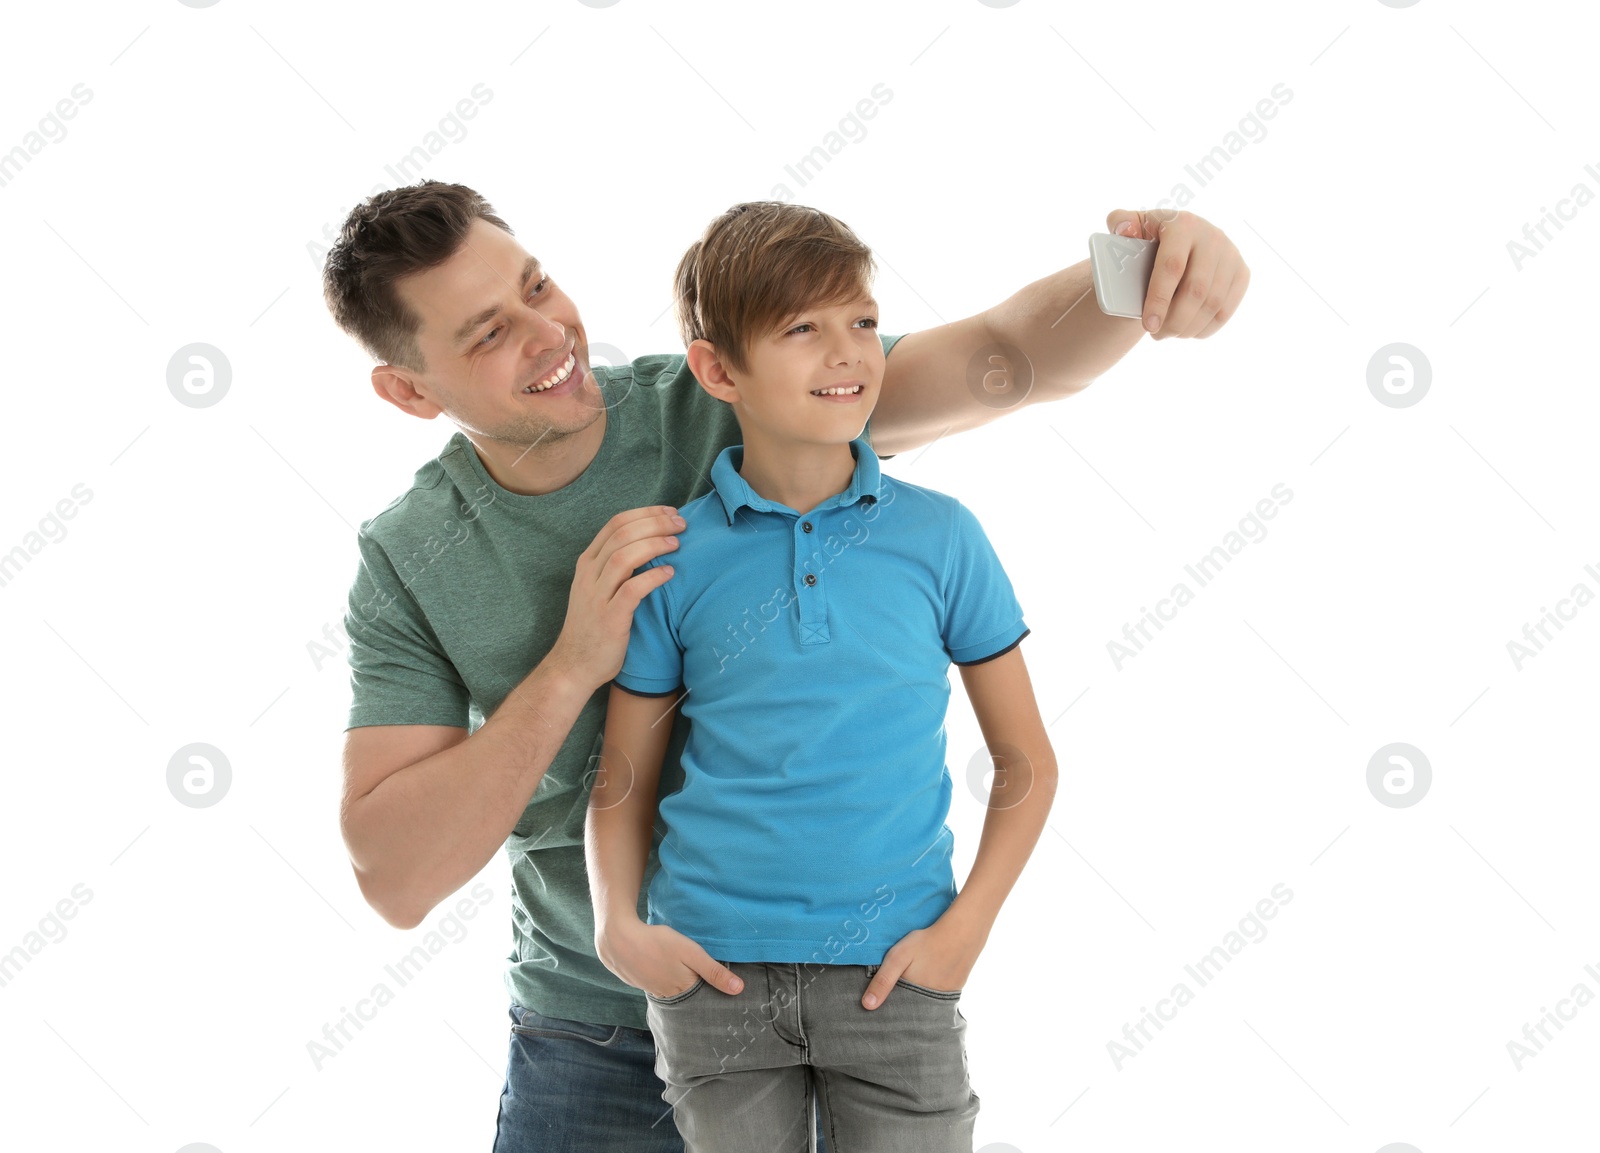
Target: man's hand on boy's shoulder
{"type": "Point", "coordinates": [939, 957]}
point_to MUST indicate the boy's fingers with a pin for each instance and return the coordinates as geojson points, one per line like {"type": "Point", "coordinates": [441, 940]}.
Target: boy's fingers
{"type": "Point", "coordinates": [882, 983]}
{"type": "Point", "coordinates": [717, 974]}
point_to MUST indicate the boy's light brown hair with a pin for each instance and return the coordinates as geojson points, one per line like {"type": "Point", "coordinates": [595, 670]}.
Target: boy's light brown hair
{"type": "Point", "coordinates": [760, 263]}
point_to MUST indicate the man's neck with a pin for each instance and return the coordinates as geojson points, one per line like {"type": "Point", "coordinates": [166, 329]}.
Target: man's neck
{"type": "Point", "coordinates": [801, 476]}
{"type": "Point", "coordinates": [537, 469]}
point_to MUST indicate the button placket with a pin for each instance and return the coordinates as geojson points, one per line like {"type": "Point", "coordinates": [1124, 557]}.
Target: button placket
{"type": "Point", "coordinates": [809, 586]}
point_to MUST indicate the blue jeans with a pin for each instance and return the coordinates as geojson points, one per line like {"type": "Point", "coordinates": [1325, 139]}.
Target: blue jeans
{"type": "Point", "coordinates": [572, 1087]}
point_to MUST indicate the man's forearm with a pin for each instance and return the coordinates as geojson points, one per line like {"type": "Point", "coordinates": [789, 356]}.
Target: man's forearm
{"type": "Point", "coordinates": [427, 829]}
{"type": "Point", "coordinates": [1057, 324]}
{"type": "Point", "coordinates": [1044, 342]}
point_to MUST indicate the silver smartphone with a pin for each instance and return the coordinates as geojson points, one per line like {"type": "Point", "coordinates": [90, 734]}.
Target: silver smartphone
{"type": "Point", "coordinates": [1121, 266]}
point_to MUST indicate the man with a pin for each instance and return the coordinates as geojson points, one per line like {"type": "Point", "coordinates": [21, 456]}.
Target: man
{"type": "Point", "coordinates": [493, 601]}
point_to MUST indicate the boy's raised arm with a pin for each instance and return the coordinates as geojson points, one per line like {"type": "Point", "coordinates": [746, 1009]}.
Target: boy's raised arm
{"type": "Point", "coordinates": [941, 956]}
{"type": "Point", "coordinates": [617, 835]}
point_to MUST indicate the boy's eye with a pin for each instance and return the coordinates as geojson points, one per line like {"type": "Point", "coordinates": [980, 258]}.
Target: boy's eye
{"type": "Point", "coordinates": [867, 319]}
{"type": "Point", "coordinates": [489, 336]}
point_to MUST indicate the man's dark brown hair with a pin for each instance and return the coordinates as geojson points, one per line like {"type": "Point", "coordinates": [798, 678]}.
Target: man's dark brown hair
{"type": "Point", "coordinates": [389, 236]}
{"type": "Point", "coordinates": [757, 265]}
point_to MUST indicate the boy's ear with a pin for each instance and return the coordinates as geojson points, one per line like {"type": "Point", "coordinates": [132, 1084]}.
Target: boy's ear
{"type": "Point", "coordinates": [397, 386]}
{"type": "Point", "coordinates": [712, 374]}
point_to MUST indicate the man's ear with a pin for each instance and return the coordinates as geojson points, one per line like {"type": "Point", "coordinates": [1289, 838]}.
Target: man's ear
{"type": "Point", "coordinates": [398, 387]}
{"type": "Point", "coordinates": [712, 374]}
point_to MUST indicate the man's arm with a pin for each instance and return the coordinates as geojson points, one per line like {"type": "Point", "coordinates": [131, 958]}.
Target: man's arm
{"type": "Point", "coordinates": [425, 807]}
{"type": "Point", "coordinates": [1024, 786]}
{"type": "Point", "coordinates": [1050, 339]}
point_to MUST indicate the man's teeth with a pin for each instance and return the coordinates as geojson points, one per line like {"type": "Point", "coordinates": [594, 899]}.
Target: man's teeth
{"type": "Point", "coordinates": [850, 391]}
{"type": "Point", "coordinates": [557, 377]}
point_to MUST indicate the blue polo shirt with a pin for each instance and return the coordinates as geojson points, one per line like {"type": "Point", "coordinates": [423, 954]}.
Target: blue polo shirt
{"type": "Point", "coordinates": [812, 656]}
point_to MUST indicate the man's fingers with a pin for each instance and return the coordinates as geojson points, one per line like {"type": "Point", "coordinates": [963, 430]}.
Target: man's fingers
{"type": "Point", "coordinates": [1230, 305]}
{"type": "Point", "coordinates": [1171, 260]}
{"type": "Point", "coordinates": [635, 589]}
{"type": "Point", "coordinates": [632, 525]}
{"type": "Point", "coordinates": [1190, 311]}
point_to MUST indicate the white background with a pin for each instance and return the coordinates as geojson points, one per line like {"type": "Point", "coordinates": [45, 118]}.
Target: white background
{"type": "Point", "coordinates": [1229, 756]}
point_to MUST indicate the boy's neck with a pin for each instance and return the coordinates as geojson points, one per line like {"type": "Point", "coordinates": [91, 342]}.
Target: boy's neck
{"type": "Point", "coordinates": [797, 474]}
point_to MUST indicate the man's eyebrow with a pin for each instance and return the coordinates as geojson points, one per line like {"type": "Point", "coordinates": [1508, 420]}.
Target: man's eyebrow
{"type": "Point", "coordinates": [480, 319]}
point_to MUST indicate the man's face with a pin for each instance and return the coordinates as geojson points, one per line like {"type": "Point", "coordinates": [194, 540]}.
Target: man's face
{"type": "Point", "coordinates": [493, 325]}
{"type": "Point", "coordinates": [821, 347]}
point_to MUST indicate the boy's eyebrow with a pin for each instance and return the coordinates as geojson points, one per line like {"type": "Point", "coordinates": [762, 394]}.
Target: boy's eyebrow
{"type": "Point", "coordinates": [862, 301]}
{"type": "Point", "coordinates": [480, 319]}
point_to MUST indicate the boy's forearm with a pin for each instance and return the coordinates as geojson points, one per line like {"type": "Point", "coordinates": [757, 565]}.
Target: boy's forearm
{"type": "Point", "coordinates": [622, 804]}
{"type": "Point", "coordinates": [616, 847]}
{"type": "Point", "coordinates": [1010, 832]}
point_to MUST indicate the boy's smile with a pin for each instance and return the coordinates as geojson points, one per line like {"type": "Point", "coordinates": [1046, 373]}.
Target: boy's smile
{"type": "Point", "coordinates": [831, 354]}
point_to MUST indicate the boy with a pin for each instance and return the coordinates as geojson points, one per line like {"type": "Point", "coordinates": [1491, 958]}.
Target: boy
{"type": "Point", "coordinates": [807, 633]}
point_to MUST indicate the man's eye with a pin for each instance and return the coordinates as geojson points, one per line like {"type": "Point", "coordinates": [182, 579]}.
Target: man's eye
{"type": "Point", "coordinates": [493, 332]}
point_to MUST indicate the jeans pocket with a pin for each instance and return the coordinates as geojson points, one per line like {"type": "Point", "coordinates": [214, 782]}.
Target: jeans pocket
{"type": "Point", "coordinates": [679, 998]}
{"type": "Point", "coordinates": [923, 990]}
{"type": "Point", "coordinates": [535, 1024]}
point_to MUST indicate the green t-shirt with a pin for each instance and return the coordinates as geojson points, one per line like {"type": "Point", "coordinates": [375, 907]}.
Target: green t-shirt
{"type": "Point", "coordinates": [462, 589]}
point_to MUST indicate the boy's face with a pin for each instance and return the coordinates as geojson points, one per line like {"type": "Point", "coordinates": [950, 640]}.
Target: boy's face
{"type": "Point", "coordinates": [823, 347]}
{"type": "Point", "coordinates": [492, 323]}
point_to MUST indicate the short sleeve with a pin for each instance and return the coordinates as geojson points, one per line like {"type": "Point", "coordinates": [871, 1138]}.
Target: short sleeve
{"type": "Point", "coordinates": [399, 673]}
{"type": "Point", "coordinates": [982, 618]}
{"type": "Point", "coordinates": [888, 343]}
{"type": "Point", "coordinates": [653, 666]}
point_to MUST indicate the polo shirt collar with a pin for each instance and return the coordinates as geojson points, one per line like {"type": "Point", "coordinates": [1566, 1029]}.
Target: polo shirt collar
{"type": "Point", "coordinates": [735, 492]}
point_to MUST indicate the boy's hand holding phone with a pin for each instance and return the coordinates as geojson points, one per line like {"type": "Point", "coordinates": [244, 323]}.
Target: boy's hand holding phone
{"type": "Point", "coordinates": [658, 959]}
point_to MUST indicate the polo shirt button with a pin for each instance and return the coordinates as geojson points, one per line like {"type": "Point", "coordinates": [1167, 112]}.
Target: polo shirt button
{"type": "Point", "coordinates": [811, 578]}
{"type": "Point", "coordinates": [805, 524]}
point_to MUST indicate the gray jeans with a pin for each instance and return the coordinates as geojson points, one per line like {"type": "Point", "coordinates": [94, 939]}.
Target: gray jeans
{"type": "Point", "coordinates": [742, 1072]}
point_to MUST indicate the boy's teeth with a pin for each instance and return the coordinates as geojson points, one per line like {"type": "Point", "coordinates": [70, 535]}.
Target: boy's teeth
{"type": "Point", "coordinates": [835, 391]}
